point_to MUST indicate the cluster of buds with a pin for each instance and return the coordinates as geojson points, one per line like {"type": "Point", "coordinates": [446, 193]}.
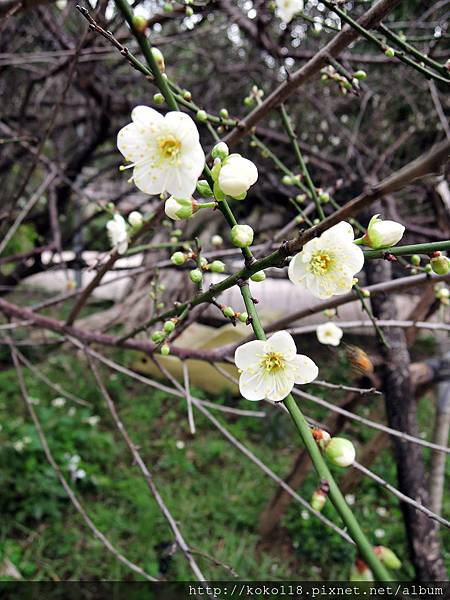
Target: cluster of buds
{"type": "Point", "coordinates": [345, 84]}
{"type": "Point", "coordinates": [338, 451]}
{"type": "Point", "coordinates": [256, 94]}
{"type": "Point", "coordinates": [230, 313]}
{"type": "Point", "coordinates": [179, 258]}
{"type": "Point", "coordinates": [160, 336]}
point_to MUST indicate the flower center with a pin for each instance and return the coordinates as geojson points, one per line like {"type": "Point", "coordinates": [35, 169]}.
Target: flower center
{"type": "Point", "coordinates": [272, 361]}
{"type": "Point", "coordinates": [320, 263]}
{"type": "Point", "coordinates": [169, 147]}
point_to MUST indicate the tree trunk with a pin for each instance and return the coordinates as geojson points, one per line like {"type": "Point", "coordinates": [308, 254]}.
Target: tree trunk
{"type": "Point", "coordinates": [400, 402]}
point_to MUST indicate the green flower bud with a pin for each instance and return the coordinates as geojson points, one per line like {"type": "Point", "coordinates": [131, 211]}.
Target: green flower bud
{"type": "Point", "coordinates": [168, 8]}
{"type": "Point", "coordinates": [318, 500]}
{"type": "Point", "coordinates": [440, 265]}
{"type": "Point", "coordinates": [248, 101]}
{"type": "Point", "coordinates": [187, 95]}
{"type": "Point", "coordinates": [258, 276]}
{"type": "Point", "coordinates": [140, 23]}
{"type": "Point", "coordinates": [158, 336]}
{"type": "Point", "coordinates": [217, 266]}
{"type": "Point", "coordinates": [387, 557]}
{"type": "Point", "coordinates": [383, 234]}
{"type": "Point", "coordinates": [201, 116]}
{"type": "Point", "coordinates": [165, 349]}
{"type": "Point", "coordinates": [228, 312]}
{"type": "Point", "coordinates": [169, 326]}
{"type": "Point", "coordinates": [365, 293]}
{"type": "Point", "coordinates": [415, 260]}
{"type": "Point", "coordinates": [340, 452]}
{"type": "Point", "coordinates": [243, 317]}
{"type": "Point", "coordinates": [428, 268]}
{"type": "Point", "coordinates": [189, 11]}
{"type": "Point", "coordinates": [180, 208]}
{"type": "Point", "coordinates": [389, 52]}
{"type": "Point", "coordinates": [178, 258]}
{"type": "Point", "coordinates": [224, 113]}
{"type": "Point", "coordinates": [324, 197]}
{"type": "Point", "coordinates": [361, 75]}
{"type": "Point", "coordinates": [204, 189]}
{"type": "Point", "coordinates": [158, 98]}
{"type": "Point", "coordinates": [220, 151]}
{"type": "Point", "coordinates": [286, 180]}
{"type": "Point", "coordinates": [159, 59]}
{"type": "Point", "coordinates": [217, 240]}
{"type": "Point", "coordinates": [196, 276]}
{"type": "Point", "coordinates": [242, 236]}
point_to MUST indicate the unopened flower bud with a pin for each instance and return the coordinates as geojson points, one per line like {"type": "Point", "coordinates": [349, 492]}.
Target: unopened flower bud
{"type": "Point", "coordinates": [158, 336]}
{"type": "Point", "coordinates": [169, 326]}
{"type": "Point", "coordinates": [140, 23]}
{"type": "Point", "coordinates": [443, 294]}
{"type": "Point", "coordinates": [243, 317]}
{"type": "Point", "coordinates": [159, 59]}
{"type": "Point", "coordinates": [217, 240]}
{"type": "Point", "coordinates": [220, 151]}
{"type": "Point", "coordinates": [224, 113]}
{"type": "Point", "coordinates": [165, 349]}
{"type": "Point", "coordinates": [180, 208]}
{"type": "Point", "coordinates": [187, 95]}
{"type": "Point", "coordinates": [361, 75]}
{"type": "Point", "coordinates": [168, 8]}
{"type": "Point", "coordinates": [158, 98]}
{"type": "Point", "coordinates": [237, 175]}
{"type": "Point", "coordinates": [135, 218]}
{"type": "Point", "coordinates": [189, 11]}
{"type": "Point", "coordinates": [360, 571]}
{"type": "Point", "coordinates": [242, 235]}
{"type": "Point", "coordinates": [318, 500]}
{"type": "Point", "coordinates": [387, 557]}
{"type": "Point", "coordinates": [286, 180]}
{"type": "Point", "coordinates": [330, 312]}
{"type": "Point", "coordinates": [389, 52]}
{"type": "Point", "coordinates": [201, 116]}
{"type": "Point", "coordinates": [217, 266]}
{"type": "Point", "coordinates": [178, 258]}
{"type": "Point", "coordinates": [383, 234]}
{"type": "Point", "coordinates": [340, 452]}
{"type": "Point", "coordinates": [204, 189]}
{"type": "Point", "coordinates": [428, 268]}
{"type": "Point", "coordinates": [415, 260]}
{"type": "Point", "coordinates": [258, 276]}
{"type": "Point", "coordinates": [324, 197]}
{"type": "Point", "coordinates": [440, 264]}
{"type": "Point", "coordinates": [228, 312]}
{"type": "Point", "coordinates": [196, 276]}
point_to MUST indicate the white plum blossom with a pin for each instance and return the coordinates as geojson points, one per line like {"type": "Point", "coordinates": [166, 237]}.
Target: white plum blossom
{"type": "Point", "coordinates": [165, 151]}
{"type": "Point", "coordinates": [237, 175]}
{"type": "Point", "coordinates": [286, 9]}
{"type": "Point", "coordinates": [383, 234]}
{"type": "Point", "coordinates": [117, 232]}
{"type": "Point", "coordinates": [269, 369]}
{"type": "Point", "coordinates": [58, 402]}
{"type": "Point", "coordinates": [329, 333]}
{"type": "Point", "coordinates": [326, 265]}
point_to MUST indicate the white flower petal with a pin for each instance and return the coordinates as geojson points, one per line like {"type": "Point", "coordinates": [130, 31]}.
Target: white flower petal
{"type": "Point", "coordinates": [182, 127]}
{"type": "Point", "coordinates": [133, 145]}
{"type": "Point", "coordinates": [151, 180]}
{"type": "Point", "coordinates": [297, 270]}
{"type": "Point", "coordinates": [146, 118]}
{"type": "Point", "coordinates": [279, 385]}
{"type": "Point", "coordinates": [282, 342]}
{"type": "Point", "coordinates": [304, 370]}
{"type": "Point", "coordinates": [340, 232]}
{"type": "Point", "coordinates": [252, 385]}
{"type": "Point", "coordinates": [249, 354]}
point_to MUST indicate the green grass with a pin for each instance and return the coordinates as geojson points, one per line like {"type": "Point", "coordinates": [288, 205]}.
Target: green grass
{"type": "Point", "coordinates": [213, 491]}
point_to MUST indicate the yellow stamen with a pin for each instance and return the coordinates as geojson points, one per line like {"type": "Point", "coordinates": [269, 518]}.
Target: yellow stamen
{"type": "Point", "coordinates": [320, 263]}
{"type": "Point", "coordinates": [169, 147]}
{"type": "Point", "coordinates": [272, 361]}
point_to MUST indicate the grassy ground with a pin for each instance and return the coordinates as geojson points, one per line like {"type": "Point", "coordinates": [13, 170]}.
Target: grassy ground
{"type": "Point", "coordinates": [213, 491]}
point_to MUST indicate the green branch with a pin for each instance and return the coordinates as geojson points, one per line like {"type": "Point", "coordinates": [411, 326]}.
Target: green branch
{"type": "Point", "coordinates": [407, 250]}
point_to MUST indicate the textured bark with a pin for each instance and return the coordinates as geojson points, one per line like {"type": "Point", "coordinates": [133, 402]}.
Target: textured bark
{"type": "Point", "coordinates": [422, 532]}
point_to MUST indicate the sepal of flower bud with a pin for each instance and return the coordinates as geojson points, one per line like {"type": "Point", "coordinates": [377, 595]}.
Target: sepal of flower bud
{"type": "Point", "coordinates": [178, 258]}
{"type": "Point", "coordinates": [159, 59]}
{"type": "Point", "coordinates": [387, 557]}
{"type": "Point", "coordinates": [204, 189]}
{"type": "Point", "coordinates": [340, 452]}
{"type": "Point", "coordinates": [220, 151]}
{"type": "Point", "coordinates": [135, 219]}
{"type": "Point", "coordinates": [180, 208]}
{"type": "Point", "coordinates": [440, 264]}
{"type": "Point", "coordinates": [242, 236]}
{"type": "Point", "coordinates": [217, 266]}
{"type": "Point", "coordinates": [258, 276]}
{"type": "Point", "coordinates": [383, 234]}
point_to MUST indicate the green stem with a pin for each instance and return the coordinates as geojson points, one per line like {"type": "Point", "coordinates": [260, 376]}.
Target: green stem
{"type": "Point", "coordinates": [303, 168]}
{"type": "Point", "coordinates": [427, 248]}
{"type": "Point", "coordinates": [303, 428]}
